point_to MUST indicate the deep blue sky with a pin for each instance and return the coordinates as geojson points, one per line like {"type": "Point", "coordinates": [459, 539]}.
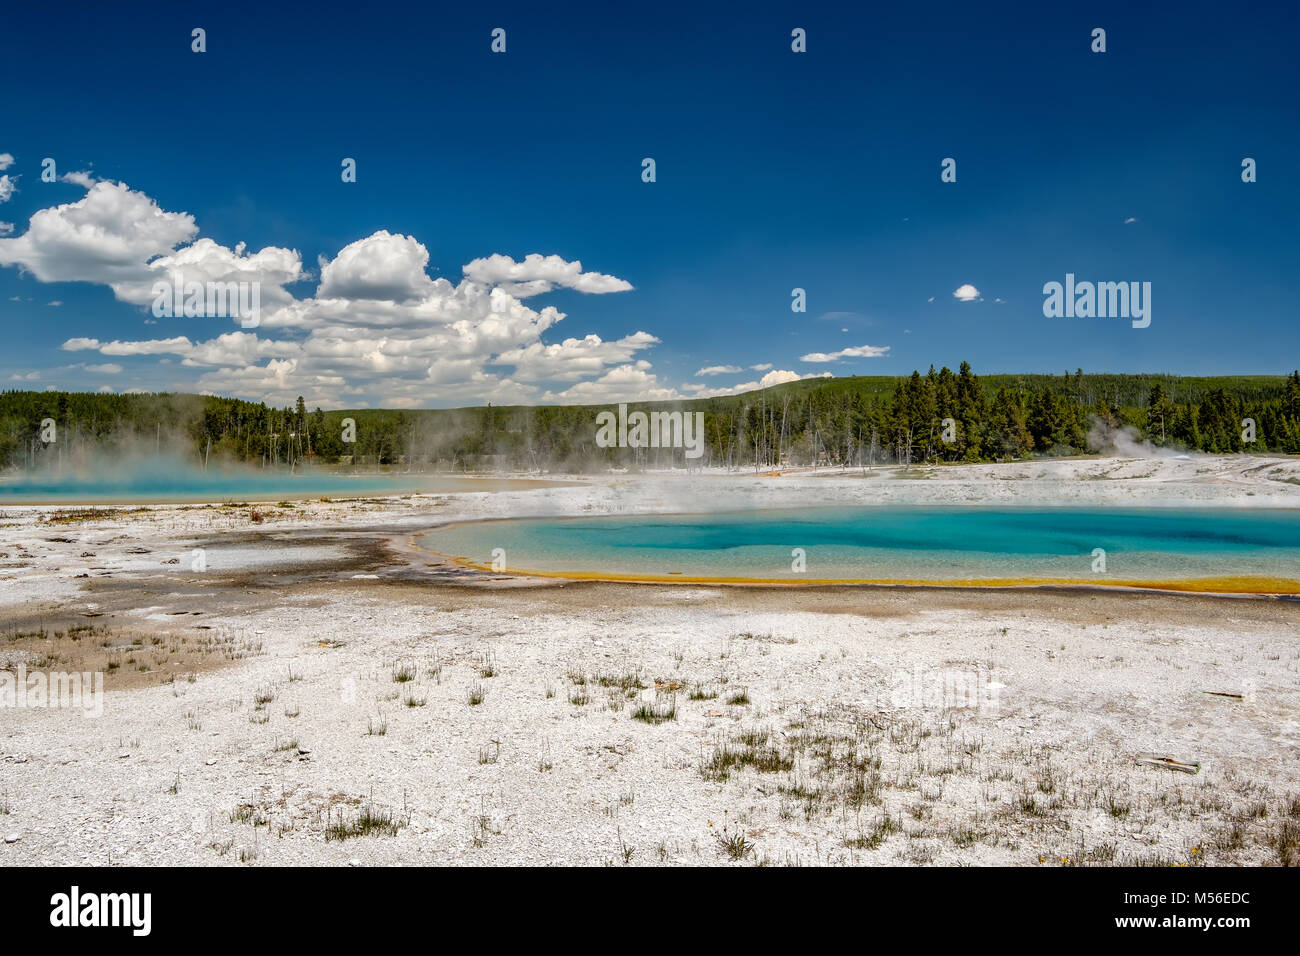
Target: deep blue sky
{"type": "Point", "coordinates": [775, 170]}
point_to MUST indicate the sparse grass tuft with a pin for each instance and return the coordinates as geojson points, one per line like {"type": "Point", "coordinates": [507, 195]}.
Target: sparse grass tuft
{"type": "Point", "coordinates": [656, 713]}
{"type": "Point", "coordinates": [627, 682]}
{"type": "Point", "coordinates": [369, 822]}
{"type": "Point", "coordinates": [404, 674]}
{"type": "Point", "coordinates": [728, 757]}
{"type": "Point", "coordinates": [877, 835]}
{"type": "Point", "coordinates": [1287, 841]}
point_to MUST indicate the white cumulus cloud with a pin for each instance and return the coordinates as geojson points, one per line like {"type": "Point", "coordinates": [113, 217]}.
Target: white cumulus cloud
{"type": "Point", "coordinates": [377, 329]}
{"type": "Point", "coordinates": [775, 377]}
{"type": "Point", "coordinates": [538, 274]}
{"type": "Point", "coordinates": [858, 351]}
{"type": "Point", "coordinates": [380, 266]}
{"type": "Point", "coordinates": [632, 382]}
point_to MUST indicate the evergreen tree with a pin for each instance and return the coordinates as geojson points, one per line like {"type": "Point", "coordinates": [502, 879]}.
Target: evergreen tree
{"type": "Point", "coordinates": [1159, 413]}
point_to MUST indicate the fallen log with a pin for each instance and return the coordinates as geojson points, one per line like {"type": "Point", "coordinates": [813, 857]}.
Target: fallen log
{"type": "Point", "coordinates": [1169, 763]}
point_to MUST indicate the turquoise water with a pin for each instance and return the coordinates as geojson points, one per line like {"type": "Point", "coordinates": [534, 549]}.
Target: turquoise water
{"type": "Point", "coordinates": [898, 544]}
{"type": "Point", "coordinates": [169, 484]}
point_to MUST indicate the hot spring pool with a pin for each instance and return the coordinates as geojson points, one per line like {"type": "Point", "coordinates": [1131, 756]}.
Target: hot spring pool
{"type": "Point", "coordinates": [1200, 549]}
{"type": "Point", "coordinates": [167, 484]}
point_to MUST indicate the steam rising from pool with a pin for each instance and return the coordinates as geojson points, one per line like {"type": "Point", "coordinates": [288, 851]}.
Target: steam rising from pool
{"type": "Point", "coordinates": [148, 478]}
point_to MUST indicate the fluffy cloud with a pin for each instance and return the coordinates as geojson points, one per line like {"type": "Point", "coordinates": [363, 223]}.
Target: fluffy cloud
{"type": "Point", "coordinates": [118, 237]}
{"type": "Point", "coordinates": [573, 359]}
{"type": "Point", "coordinates": [6, 160]}
{"type": "Point", "coordinates": [381, 266]}
{"type": "Point", "coordinates": [376, 326]}
{"type": "Point", "coordinates": [237, 348]}
{"type": "Point", "coordinates": [966, 293]}
{"type": "Point", "coordinates": [858, 351]}
{"type": "Point", "coordinates": [7, 188]}
{"type": "Point", "coordinates": [538, 274]}
{"type": "Point", "coordinates": [777, 377]}
{"type": "Point", "coordinates": [625, 383]}
{"type": "Point", "coordinates": [207, 261]}
{"type": "Point", "coordinates": [377, 330]}
{"type": "Point", "coordinates": [719, 370]}
{"type": "Point", "coordinates": [178, 346]}
{"type": "Point", "coordinates": [281, 378]}
{"type": "Point", "coordinates": [107, 237]}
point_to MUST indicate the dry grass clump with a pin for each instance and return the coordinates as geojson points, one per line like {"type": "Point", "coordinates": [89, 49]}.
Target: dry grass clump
{"type": "Point", "coordinates": [65, 516]}
{"type": "Point", "coordinates": [942, 794]}
{"type": "Point", "coordinates": [127, 657]}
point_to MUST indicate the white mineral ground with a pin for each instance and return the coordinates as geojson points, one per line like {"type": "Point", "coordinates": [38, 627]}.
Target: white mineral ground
{"type": "Point", "coordinates": [809, 726]}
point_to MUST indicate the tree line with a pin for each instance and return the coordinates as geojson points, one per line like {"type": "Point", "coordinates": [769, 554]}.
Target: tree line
{"type": "Point", "coordinates": [861, 421]}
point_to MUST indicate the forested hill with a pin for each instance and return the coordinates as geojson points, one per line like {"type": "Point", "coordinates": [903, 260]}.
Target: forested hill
{"type": "Point", "coordinates": [856, 420]}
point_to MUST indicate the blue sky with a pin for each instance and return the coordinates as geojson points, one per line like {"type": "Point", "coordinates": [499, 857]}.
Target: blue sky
{"type": "Point", "coordinates": [775, 170]}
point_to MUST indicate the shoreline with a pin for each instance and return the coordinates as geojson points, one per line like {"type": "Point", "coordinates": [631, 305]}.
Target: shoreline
{"type": "Point", "coordinates": [1226, 586]}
